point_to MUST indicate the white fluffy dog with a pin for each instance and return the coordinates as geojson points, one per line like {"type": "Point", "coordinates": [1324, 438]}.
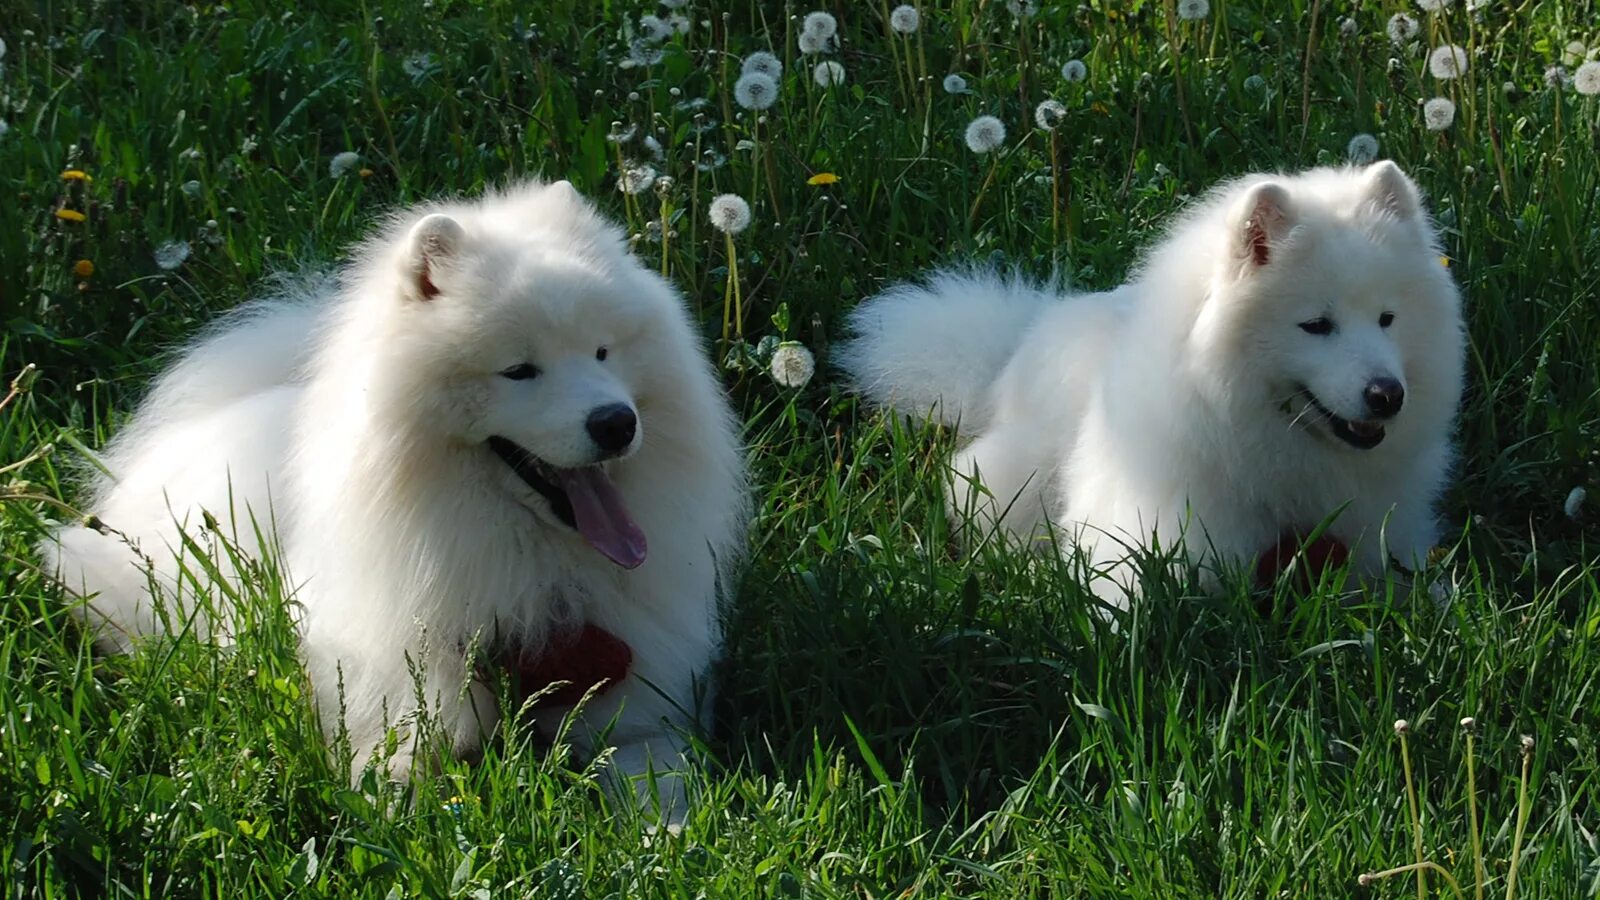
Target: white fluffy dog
{"type": "Point", "coordinates": [1292, 350]}
{"type": "Point", "coordinates": [497, 442]}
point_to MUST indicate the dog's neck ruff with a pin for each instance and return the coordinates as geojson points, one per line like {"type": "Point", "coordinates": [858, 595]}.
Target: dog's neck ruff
{"type": "Point", "coordinates": [587, 658]}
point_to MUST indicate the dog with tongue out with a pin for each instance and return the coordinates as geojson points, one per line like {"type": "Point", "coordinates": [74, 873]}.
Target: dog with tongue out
{"type": "Point", "coordinates": [494, 450]}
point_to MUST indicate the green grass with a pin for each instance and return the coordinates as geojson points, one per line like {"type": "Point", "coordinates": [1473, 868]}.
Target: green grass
{"type": "Point", "coordinates": [895, 719]}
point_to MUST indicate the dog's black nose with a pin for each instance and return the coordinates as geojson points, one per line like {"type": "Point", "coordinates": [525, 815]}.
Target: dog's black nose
{"type": "Point", "coordinates": [1384, 396]}
{"type": "Point", "coordinates": [612, 427]}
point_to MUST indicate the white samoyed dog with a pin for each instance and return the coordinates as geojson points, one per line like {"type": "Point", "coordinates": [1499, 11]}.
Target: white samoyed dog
{"type": "Point", "coordinates": [1293, 350]}
{"type": "Point", "coordinates": [497, 440]}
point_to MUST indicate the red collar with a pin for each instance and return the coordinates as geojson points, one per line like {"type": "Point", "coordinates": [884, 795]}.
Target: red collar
{"type": "Point", "coordinates": [582, 658]}
{"type": "Point", "coordinates": [1311, 561]}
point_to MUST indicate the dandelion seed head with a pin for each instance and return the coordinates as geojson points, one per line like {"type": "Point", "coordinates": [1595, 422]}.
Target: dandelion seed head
{"type": "Point", "coordinates": [1447, 61]}
{"type": "Point", "coordinates": [1362, 149]}
{"type": "Point", "coordinates": [1556, 77]}
{"type": "Point", "coordinates": [1573, 53]}
{"type": "Point", "coordinates": [1574, 502]}
{"type": "Point", "coordinates": [828, 74]}
{"type": "Point", "coordinates": [905, 19]}
{"type": "Point", "coordinates": [729, 213]}
{"type": "Point", "coordinates": [1586, 80]}
{"type": "Point", "coordinates": [1527, 744]}
{"type": "Point", "coordinates": [636, 178]}
{"type": "Point", "coordinates": [674, 4]}
{"type": "Point", "coordinates": [754, 90]}
{"type": "Point", "coordinates": [1401, 726]}
{"type": "Point", "coordinates": [344, 164]}
{"type": "Point", "coordinates": [985, 134]}
{"type": "Point", "coordinates": [812, 44]}
{"type": "Point", "coordinates": [654, 29]}
{"type": "Point", "coordinates": [420, 64]}
{"type": "Point", "coordinates": [172, 254]}
{"type": "Point", "coordinates": [821, 24]}
{"type": "Point", "coordinates": [1438, 113]}
{"type": "Point", "coordinates": [678, 23]}
{"type": "Point", "coordinates": [792, 365]}
{"type": "Point", "coordinates": [1191, 10]}
{"type": "Point", "coordinates": [1433, 6]}
{"type": "Point", "coordinates": [764, 63]}
{"type": "Point", "coordinates": [1074, 70]}
{"type": "Point", "coordinates": [1023, 9]}
{"type": "Point", "coordinates": [1048, 114]}
{"type": "Point", "coordinates": [955, 84]}
{"type": "Point", "coordinates": [1348, 27]}
{"type": "Point", "coordinates": [1255, 84]}
{"type": "Point", "coordinates": [1402, 28]}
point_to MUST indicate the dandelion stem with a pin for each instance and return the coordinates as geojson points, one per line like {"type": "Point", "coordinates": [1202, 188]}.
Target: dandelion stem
{"type": "Point", "coordinates": [1522, 820]}
{"type": "Point", "coordinates": [972, 215]}
{"type": "Point", "coordinates": [1416, 819]}
{"type": "Point", "coordinates": [1472, 820]}
{"type": "Point", "coordinates": [1177, 70]}
{"type": "Point", "coordinates": [1419, 868]}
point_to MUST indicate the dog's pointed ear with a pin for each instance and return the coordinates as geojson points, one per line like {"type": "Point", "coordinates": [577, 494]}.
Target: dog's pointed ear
{"type": "Point", "coordinates": [565, 191]}
{"type": "Point", "coordinates": [435, 243]}
{"type": "Point", "coordinates": [1391, 191]}
{"type": "Point", "coordinates": [1261, 220]}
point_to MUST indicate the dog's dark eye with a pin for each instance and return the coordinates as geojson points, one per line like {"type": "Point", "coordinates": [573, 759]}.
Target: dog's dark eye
{"type": "Point", "coordinates": [1320, 325]}
{"type": "Point", "coordinates": [1385, 320]}
{"type": "Point", "coordinates": [521, 372]}
{"type": "Point", "coordinates": [601, 354]}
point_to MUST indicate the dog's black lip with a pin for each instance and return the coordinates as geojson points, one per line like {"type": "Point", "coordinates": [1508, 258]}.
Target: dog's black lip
{"type": "Point", "coordinates": [1341, 427]}
{"type": "Point", "coordinates": [527, 466]}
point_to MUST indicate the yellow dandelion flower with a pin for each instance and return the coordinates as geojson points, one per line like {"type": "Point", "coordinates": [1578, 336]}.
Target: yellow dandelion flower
{"type": "Point", "coordinates": [77, 175]}
{"type": "Point", "coordinates": [365, 173]}
{"type": "Point", "coordinates": [1100, 108]}
{"type": "Point", "coordinates": [83, 268]}
{"type": "Point", "coordinates": [70, 215]}
{"type": "Point", "coordinates": [822, 178]}
{"type": "Point", "coordinates": [1444, 261]}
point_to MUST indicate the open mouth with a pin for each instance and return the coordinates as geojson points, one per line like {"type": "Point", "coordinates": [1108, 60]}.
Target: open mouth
{"type": "Point", "coordinates": [1360, 434]}
{"type": "Point", "coordinates": [583, 498]}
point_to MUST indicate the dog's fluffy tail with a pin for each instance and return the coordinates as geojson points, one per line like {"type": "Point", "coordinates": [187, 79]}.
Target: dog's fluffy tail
{"type": "Point", "coordinates": [938, 346]}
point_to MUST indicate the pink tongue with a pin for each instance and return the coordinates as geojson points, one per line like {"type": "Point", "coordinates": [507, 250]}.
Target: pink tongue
{"type": "Point", "coordinates": [603, 518]}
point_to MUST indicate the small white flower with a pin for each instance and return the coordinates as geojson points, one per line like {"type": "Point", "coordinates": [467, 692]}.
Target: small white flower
{"type": "Point", "coordinates": [344, 164]}
{"type": "Point", "coordinates": [763, 62]}
{"type": "Point", "coordinates": [1447, 61]}
{"type": "Point", "coordinates": [635, 178]}
{"type": "Point", "coordinates": [1190, 10]}
{"type": "Point", "coordinates": [1438, 113]}
{"type": "Point", "coordinates": [754, 90]}
{"type": "Point", "coordinates": [1557, 77]}
{"type": "Point", "coordinates": [1402, 28]}
{"type": "Point", "coordinates": [654, 29]}
{"type": "Point", "coordinates": [1048, 114]}
{"type": "Point", "coordinates": [1433, 5]}
{"type": "Point", "coordinates": [1574, 502]}
{"type": "Point", "coordinates": [955, 84]}
{"type": "Point", "coordinates": [1023, 9]}
{"type": "Point", "coordinates": [985, 134]}
{"type": "Point", "coordinates": [1586, 80]}
{"type": "Point", "coordinates": [1573, 53]}
{"type": "Point", "coordinates": [792, 365]}
{"type": "Point", "coordinates": [812, 44]}
{"type": "Point", "coordinates": [1074, 70]}
{"type": "Point", "coordinates": [729, 213]}
{"type": "Point", "coordinates": [905, 19]}
{"type": "Point", "coordinates": [828, 74]}
{"type": "Point", "coordinates": [1362, 149]}
{"type": "Point", "coordinates": [171, 255]}
{"type": "Point", "coordinates": [821, 24]}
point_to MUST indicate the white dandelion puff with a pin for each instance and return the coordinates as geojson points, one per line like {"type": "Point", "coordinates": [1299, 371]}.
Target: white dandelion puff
{"type": "Point", "coordinates": [1438, 113]}
{"type": "Point", "coordinates": [792, 365]}
{"type": "Point", "coordinates": [1574, 502]}
{"type": "Point", "coordinates": [1190, 10]}
{"type": "Point", "coordinates": [171, 255]}
{"type": "Point", "coordinates": [1447, 61]}
{"type": "Point", "coordinates": [821, 24]}
{"type": "Point", "coordinates": [905, 19]}
{"type": "Point", "coordinates": [636, 178]}
{"type": "Point", "coordinates": [1557, 77]}
{"type": "Point", "coordinates": [1573, 53]}
{"type": "Point", "coordinates": [1362, 149]}
{"type": "Point", "coordinates": [729, 213]}
{"type": "Point", "coordinates": [1048, 114]}
{"type": "Point", "coordinates": [763, 63]}
{"type": "Point", "coordinates": [674, 4]}
{"type": "Point", "coordinates": [1074, 70]}
{"type": "Point", "coordinates": [419, 65]}
{"type": "Point", "coordinates": [955, 84]}
{"type": "Point", "coordinates": [1433, 6]}
{"type": "Point", "coordinates": [828, 74]}
{"type": "Point", "coordinates": [754, 90]}
{"type": "Point", "coordinates": [1348, 27]}
{"type": "Point", "coordinates": [1586, 80]}
{"type": "Point", "coordinates": [811, 44]}
{"type": "Point", "coordinates": [343, 164]}
{"type": "Point", "coordinates": [654, 29]}
{"type": "Point", "coordinates": [1402, 28]}
{"type": "Point", "coordinates": [1022, 9]}
{"type": "Point", "coordinates": [679, 24]}
{"type": "Point", "coordinates": [985, 134]}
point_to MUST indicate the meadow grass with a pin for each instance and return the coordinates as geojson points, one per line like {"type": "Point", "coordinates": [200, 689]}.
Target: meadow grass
{"type": "Point", "coordinates": [895, 718]}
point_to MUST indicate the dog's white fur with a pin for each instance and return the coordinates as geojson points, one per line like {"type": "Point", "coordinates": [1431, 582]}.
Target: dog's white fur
{"type": "Point", "coordinates": [1172, 407]}
{"type": "Point", "coordinates": [354, 418]}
